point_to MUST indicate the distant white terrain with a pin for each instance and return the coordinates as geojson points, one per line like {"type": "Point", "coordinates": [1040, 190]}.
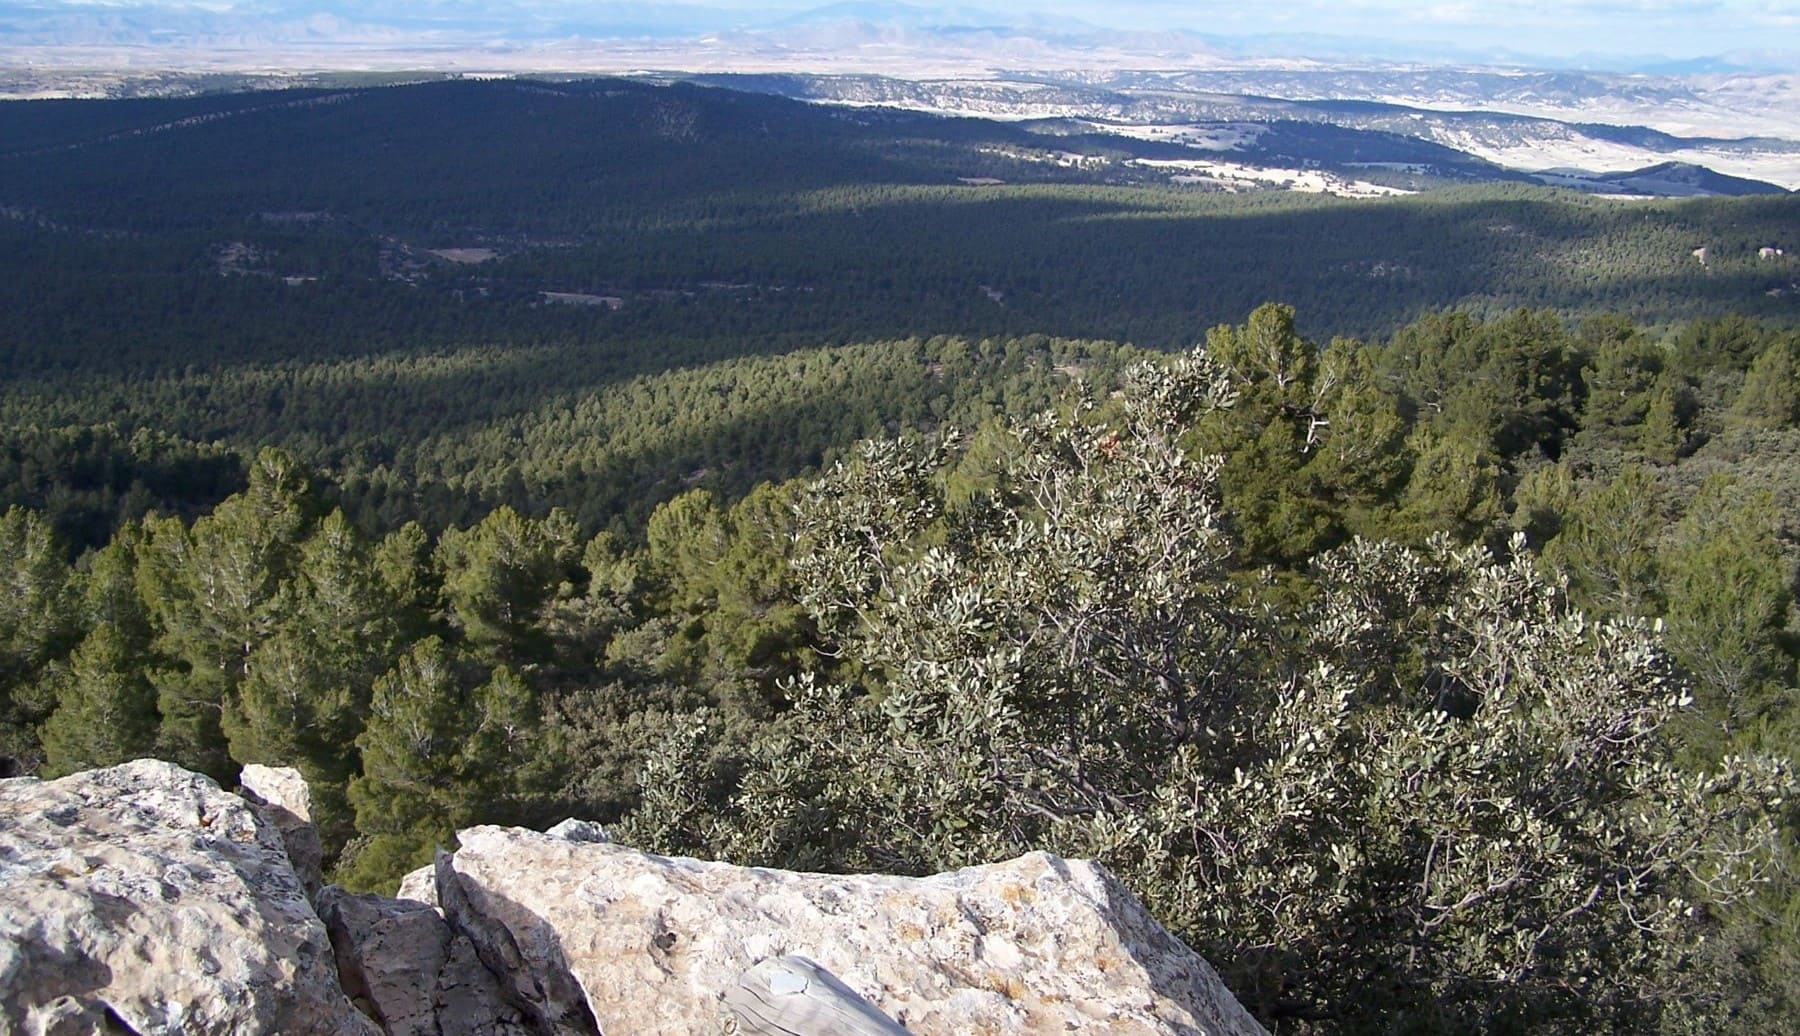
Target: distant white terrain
{"type": "Point", "coordinates": [1735, 116]}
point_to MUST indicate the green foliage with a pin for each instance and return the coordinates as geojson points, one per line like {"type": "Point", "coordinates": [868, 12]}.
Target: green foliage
{"type": "Point", "coordinates": [306, 690]}
{"type": "Point", "coordinates": [1454, 488]}
{"type": "Point", "coordinates": [1728, 605]}
{"type": "Point", "coordinates": [91, 480]}
{"type": "Point", "coordinates": [729, 586]}
{"type": "Point", "coordinates": [106, 709]}
{"type": "Point", "coordinates": [1461, 796]}
{"type": "Point", "coordinates": [214, 593]}
{"type": "Point", "coordinates": [1430, 777]}
{"type": "Point", "coordinates": [1771, 394]}
{"type": "Point", "coordinates": [1665, 435]}
{"type": "Point", "coordinates": [1729, 342]}
{"type": "Point", "coordinates": [1607, 545]}
{"type": "Point", "coordinates": [410, 796]}
{"type": "Point", "coordinates": [1314, 447]}
{"type": "Point", "coordinates": [1512, 385]}
{"type": "Point", "coordinates": [500, 576]}
{"type": "Point", "coordinates": [36, 627]}
{"type": "Point", "coordinates": [1618, 381]}
{"type": "Point", "coordinates": [442, 749]}
{"type": "Point", "coordinates": [684, 542]}
{"type": "Point", "coordinates": [1152, 625]}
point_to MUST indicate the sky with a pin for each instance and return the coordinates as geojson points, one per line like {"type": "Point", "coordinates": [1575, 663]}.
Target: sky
{"type": "Point", "coordinates": [1567, 29]}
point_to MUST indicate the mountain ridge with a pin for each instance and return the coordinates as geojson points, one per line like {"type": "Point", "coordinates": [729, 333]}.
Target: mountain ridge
{"type": "Point", "coordinates": [1177, 105]}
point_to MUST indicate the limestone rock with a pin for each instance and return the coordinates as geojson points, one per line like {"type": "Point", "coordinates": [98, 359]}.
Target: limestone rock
{"type": "Point", "coordinates": [534, 976]}
{"type": "Point", "coordinates": [142, 898]}
{"type": "Point", "coordinates": [572, 830]}
{"type": "Point", "coordinates": [415, 976]}
{"type": "Point", "coordinates": [1035, 945]}
{"type": "Point", "coordinates": [282, 796]}
{"type": "Point", "coordinates": [420, 886]}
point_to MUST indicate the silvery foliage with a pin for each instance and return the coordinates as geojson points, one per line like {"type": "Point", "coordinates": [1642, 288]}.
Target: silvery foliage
{"type": "Point", "coordinates": [1432, 775]}
{"type": "Point", "coordinates": [1465, 790]}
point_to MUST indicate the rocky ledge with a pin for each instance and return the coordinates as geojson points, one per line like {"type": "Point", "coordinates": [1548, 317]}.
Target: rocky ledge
{"type": "Point", "coordinates": [143, 899]}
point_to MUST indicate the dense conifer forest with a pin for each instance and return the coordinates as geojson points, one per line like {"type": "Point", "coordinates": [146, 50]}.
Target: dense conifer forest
{"type": "Point", "coordinates": [732, 472]}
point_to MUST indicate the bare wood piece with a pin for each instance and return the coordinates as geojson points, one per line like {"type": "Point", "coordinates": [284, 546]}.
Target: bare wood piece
{"type": "Point", "coordinates": [793, 996]}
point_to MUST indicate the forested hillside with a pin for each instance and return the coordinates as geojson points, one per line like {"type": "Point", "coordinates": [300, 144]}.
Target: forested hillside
{"type": "Point", "coordinates": [443, 293]}
{"type": "Point", "coordinates": [731, 473]}
{"type": "Point", "coordinates": [1075, 630]}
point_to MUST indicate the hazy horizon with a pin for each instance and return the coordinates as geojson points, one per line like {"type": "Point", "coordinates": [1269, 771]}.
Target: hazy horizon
{"type": "Point", "coordinates": [1621, 34]}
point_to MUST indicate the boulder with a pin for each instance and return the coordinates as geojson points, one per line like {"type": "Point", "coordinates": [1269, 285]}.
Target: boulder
{"type": "Point", "coordinates": [401, 962]}
{"type": "Point", "coordinates": [533, 977]}
{"type": "Point", "coordinates": [420, 886]}
{"type": "Point", "coordinates": [144, 899]}
{"type": "Point", "coordinates": [653, 944]}
{"type": "Point", "coordinates": [281, 795]}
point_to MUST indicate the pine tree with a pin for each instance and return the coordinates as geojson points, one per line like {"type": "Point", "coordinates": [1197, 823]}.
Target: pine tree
{"type": "Point", "coordinates": [1721, 569]}
{"type": "Point", "coordinates": [106, 705]}
{"type": "Point", "coordinates": [38, 626]}
{"type": "Point", "coordinates": [511, 764]}
{"type": "Point", "coordinates": [1663, 436]}
{"type": "Point", "coordinates": [442, 751]}
{"type": "Point", "coordinates": [1619, 380]}
{"type": "Point", "coordinates": [1311, 444]}
{"type": "Point", "coordinates": [1454, 488]}
{"type": "Point", "coordinates": [1771, 394]}
{"type": "Point", "coordinates": [1607, 545]}
{"type": "Point", "coordinates": [215, 593]}
{"type": "Point", "coordinates": [107, 708]}
{"type": "Point", "coordinates": [501, 574]}
{"type": "Point", "coordinates": [412, 765]}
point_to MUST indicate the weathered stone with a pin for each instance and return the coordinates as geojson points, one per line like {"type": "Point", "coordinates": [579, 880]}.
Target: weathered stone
{"type": "Point", "coordinates": [534, 977]}
{"type": "Point", "coordinates": [67, 1016]}
{"type": "Point", "coordinates": [282, 796]}
{"type": "Point", "coordinates": [400, 961]}
{"type": "Point", "coordinates": [573, 830]}
{"type": "Point", "coordinates": [142, 898]}
{"type": "Point", "coordinates": [783, 995]}
{"type": "Point", "coordinates": [1036, 945]}
{"type": "Point", "coordinates": [420, 886]}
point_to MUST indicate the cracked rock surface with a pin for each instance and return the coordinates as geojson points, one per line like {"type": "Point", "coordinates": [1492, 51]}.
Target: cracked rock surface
{"type": "Point", "coordinates": [1034, 945]}
{"type": "Point", "coordinates": [144, 899]}
{"type": "Point", "coordinates": [412, 973]}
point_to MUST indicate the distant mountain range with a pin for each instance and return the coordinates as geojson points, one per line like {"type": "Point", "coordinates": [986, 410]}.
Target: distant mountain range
{"type": "Point", "coordinates": [1355, 107]}
{"type": "Point", "coordinates": [1310, 119]}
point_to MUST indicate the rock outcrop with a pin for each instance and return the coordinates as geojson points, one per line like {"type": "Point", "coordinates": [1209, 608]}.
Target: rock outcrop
{"type": "Point", "coordinates": [144, 899]}
{"type": "Point", "coordinates": [404, 966]}
{"type": "Point", "coordinates": [1035, 945]}
{"type": "Point", "coordinates": [281, 796]}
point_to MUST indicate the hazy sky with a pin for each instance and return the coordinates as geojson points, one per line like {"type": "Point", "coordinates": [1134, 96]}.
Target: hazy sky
{"type": "Point", "coordinates": [1679, 28]}
{"type": "Point", "coordinates": [1676, 28]}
